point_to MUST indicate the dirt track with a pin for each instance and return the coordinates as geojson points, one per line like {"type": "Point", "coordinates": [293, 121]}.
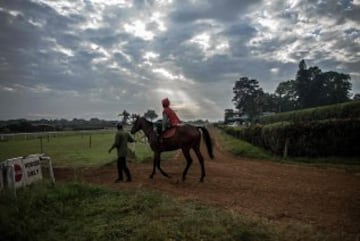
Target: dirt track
{"type": "Point", "coordinates": [326, 199]}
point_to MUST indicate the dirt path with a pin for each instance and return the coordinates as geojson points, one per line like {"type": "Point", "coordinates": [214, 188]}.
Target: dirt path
{"type": "Point", "coordinates": [327, 199]}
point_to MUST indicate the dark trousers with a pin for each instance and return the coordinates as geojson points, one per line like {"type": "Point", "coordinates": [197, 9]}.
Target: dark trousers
{"type": "Point", "coordinates": [122, 167]}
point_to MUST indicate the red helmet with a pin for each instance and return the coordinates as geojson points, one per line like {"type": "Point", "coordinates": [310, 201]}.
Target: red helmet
{"type": "Point", "coordinates": [165, 102]}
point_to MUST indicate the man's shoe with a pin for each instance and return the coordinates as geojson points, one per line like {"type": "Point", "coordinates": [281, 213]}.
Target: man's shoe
{"type": "Point", "coordinates": [118, 180]}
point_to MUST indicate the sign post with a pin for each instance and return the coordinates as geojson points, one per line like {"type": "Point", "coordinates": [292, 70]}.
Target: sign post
{"type": "Point", "coordinates": [49, 162]}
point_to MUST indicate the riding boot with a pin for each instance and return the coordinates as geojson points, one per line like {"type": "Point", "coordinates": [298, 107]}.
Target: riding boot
{"type": "Point", "coordinates": [159, 137]}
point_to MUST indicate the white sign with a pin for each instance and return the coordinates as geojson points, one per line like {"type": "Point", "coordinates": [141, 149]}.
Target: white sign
{"type": "Point", "coordinates": [32, 169]}
{"type": "Point", "coordinates": [20, 171]}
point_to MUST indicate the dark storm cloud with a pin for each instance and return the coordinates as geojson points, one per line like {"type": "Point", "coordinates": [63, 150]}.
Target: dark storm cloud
{"type": "Point", "coordinates": [119, 55]}
{"type": "Point", "coordinates": [23, 43]}
{"type": "Point", "coordinates": [342, 10]}
{"type": "Point", "coordinates": [225, 11]}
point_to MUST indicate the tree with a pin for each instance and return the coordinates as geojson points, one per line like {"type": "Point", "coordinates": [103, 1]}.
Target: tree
{"type": "Point", "coordinates": [270, 103]}
{"type": "Point", "coordinates": [229, 114]}
{"type": "Point", "coordinates": [151, 114]}
{"type": "Point", "coordinates": [337, 87]}
{"type": "Point", "coordinates": [125, 116]}
{"type": "Point", "coordinates": [286, 96]}
{"type": "Point", "coordinates": [303, 85]}
{"type": "Point", "coordinates": [315, 88]}
{"type": "Point", "coordinates": [308, 85]}
{"type": "Point", "coordinates": [317, 92]}
{"type": "Point", "coordinates": [249, 97]}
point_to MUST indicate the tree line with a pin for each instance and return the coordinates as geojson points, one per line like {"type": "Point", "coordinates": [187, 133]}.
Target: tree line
{"type": "Point", "coordinates": [311, 87]}
{"type": "Point", "coordinates": [42, 125]}
{"type": "Point", "coordinates": [23, 125]}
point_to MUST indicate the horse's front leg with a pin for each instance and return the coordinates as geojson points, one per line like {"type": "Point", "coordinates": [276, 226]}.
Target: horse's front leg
{"type": "Point", "coordinates": [159, 167]}
{"type": "Point", "coordinates": [156, 156]}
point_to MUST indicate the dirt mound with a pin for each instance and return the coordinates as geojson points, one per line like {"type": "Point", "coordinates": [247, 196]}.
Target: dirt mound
{"type": "Point", "coordinates": [327, 199]}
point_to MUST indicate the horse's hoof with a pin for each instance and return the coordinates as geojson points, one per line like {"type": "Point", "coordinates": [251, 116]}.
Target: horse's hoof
{"type": "Point", "coordinates": [151, 176]}
{"type": "Point", "coordinates": [201, 180]}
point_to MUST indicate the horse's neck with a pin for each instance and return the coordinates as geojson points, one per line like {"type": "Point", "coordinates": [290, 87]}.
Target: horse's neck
{"type": "Point", "coordinates": [149, 132]}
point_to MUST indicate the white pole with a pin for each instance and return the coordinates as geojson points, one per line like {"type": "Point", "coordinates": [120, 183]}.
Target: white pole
{"type": "Point", "coordinates": [51, 171]}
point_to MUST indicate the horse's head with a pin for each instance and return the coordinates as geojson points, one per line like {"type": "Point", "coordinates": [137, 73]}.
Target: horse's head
{"type": "Point", "coordinates": [136, 125]}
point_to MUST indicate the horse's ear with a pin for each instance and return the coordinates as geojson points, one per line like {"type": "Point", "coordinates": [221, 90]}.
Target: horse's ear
{"type": "Point", "coordinates": [134, 117]}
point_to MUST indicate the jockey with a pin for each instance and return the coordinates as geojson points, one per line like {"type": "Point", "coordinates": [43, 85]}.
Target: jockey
{"type": "Point", "coordinates": [170, 119]}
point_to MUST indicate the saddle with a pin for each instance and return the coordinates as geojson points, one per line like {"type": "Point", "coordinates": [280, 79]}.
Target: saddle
{"type": "Point", "coordinates": [169, 132]}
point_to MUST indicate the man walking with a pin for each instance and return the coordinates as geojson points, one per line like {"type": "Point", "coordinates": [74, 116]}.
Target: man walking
{"type": "Point", "coordinates": [120, 143]}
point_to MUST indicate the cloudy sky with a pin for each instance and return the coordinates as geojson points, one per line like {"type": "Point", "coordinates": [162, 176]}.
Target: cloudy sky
{"type": "Point", "coordinates": [95, 58]}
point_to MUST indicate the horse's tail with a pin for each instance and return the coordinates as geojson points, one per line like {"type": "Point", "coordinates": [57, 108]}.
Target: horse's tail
{"type": "Point", "coordinates": [208, 141]}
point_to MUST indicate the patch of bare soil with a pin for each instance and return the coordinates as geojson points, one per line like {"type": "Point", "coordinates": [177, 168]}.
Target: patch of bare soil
{"type": "Point", "coordinates": [326, 199]}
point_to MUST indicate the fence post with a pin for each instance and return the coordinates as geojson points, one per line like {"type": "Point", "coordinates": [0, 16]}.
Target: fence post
{"type": "Point", "coordinates": [90, 141]}
{"type": "Point", "coordinates": [41, 145]}
{"type": "Point", "coordinates": [286, 148]}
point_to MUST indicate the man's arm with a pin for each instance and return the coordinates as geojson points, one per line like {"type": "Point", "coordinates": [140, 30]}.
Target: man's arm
{"type": "Point", "coordinates": [116, 143]}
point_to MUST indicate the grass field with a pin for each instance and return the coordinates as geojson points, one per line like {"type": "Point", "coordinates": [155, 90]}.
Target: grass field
{"type": "Point", "coordinates": [75, 149]}
{"type": "Point", "coordinates": [80, 211]}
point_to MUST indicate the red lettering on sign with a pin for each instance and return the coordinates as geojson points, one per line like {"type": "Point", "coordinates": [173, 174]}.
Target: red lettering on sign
{"type": "Point", "coordinates": [18, 172]}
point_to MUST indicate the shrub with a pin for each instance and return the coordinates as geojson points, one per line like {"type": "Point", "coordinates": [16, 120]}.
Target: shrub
{"type": "Point", "coordinates": [348, 110]}
{"type": "Point", "coordinates": [316, 138]}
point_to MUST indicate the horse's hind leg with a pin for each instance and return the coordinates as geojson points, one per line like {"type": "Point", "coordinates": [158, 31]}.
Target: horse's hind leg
{"type": "Point", "coordinates": [186, 152]}
{"type": "Point", "coordinates": [201, 161]}
{"type": "Point", "coordinates": [162, 171]}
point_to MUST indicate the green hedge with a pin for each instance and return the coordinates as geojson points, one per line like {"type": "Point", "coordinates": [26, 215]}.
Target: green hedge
{"type": "Point", "coordinates": [316, 138]}
{"type": "Point", "coordinates": [348, 110]}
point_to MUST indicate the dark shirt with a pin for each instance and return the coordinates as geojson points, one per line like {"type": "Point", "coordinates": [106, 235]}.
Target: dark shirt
{"type": "Point", "coordinates": [120, 143]}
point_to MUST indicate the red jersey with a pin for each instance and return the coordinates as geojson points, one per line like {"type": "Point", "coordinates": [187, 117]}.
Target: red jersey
{"type": "Point", "coordinates": [173, 118]}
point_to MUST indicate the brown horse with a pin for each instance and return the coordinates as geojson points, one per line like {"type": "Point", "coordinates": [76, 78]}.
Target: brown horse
{"type": "Point", "coordinates": [186, 137]}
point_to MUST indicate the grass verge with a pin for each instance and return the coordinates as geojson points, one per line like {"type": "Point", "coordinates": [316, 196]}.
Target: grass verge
{"type": "Point", "coordinates": [82, 212]}
{"type": "Point", "coordinates": [76, 211]}
{"type": "Point", "coordinates": [239, 147]}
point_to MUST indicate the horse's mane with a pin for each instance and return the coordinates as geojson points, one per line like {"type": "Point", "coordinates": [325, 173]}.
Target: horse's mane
{"type": "Point", "coordinates": [147, 121]}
